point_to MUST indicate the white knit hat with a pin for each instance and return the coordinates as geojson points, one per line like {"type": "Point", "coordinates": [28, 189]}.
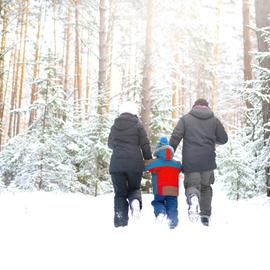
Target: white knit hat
{"type": "Point", "coordinates": [129, 107]}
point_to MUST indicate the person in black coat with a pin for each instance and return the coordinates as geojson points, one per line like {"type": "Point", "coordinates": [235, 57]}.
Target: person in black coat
{"type": "Point", "coordinates": [200, 131]}
{"type": "Point", "coordinates": [131, 146]}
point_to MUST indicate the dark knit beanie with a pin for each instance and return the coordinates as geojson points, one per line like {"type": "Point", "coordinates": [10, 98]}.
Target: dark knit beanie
{"type": "Point", "coordinates": [201, 102]}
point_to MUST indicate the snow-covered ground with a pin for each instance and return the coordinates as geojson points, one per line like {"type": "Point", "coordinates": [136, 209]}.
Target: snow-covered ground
{"type": "Point", "coordinates": [73, 231]}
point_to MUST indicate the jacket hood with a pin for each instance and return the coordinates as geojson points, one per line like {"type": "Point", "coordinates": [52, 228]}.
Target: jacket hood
{"type": "Point", "coordinates": [201, 112]}
{"type": "Point", "coordinates": [125, 121]}
{"type": "Point", "coordinates": [165, 152]}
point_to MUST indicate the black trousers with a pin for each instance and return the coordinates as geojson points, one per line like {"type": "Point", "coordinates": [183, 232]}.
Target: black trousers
{"type": "Point", "coordinates": [126, 188]}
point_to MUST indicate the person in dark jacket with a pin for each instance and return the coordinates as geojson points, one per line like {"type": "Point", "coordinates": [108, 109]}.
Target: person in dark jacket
{"type": "Point", "coordinates": [131, 146]}
{"type": "Point", "coordinates": [200, 131]}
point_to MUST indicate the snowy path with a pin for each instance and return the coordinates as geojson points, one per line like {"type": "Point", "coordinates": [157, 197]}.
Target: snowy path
{"type": "Point", "coordinates": [71, 231]}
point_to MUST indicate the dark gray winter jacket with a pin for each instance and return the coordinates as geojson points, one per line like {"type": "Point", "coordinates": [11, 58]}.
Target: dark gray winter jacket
{"type": "Point", "coordinates": [129, 143]}
{"type": "Point", "coordinates": [200, 131]}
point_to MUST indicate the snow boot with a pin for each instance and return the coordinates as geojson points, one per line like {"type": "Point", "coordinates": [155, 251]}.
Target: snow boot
{"type": "Point", "coordinates": [194, 209]}
{"type": "Point", "coordinates": [160, 218]}
{"type": "Point", "coordinates": [205, 220]}
{"type": "Point", "coordinates": [172, 224]}
{"type": "Point", "coordinates": [135, 209]}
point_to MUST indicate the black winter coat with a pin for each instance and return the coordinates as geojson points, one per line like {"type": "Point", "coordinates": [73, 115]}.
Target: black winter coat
{"type": "Point", "coordinates": [129, 143]}
{"type": "Point", "coordinates": [200, 131]}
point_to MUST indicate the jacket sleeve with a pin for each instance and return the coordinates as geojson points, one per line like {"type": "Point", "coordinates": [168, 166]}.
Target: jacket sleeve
{"type": "Point", "coordinates": [110, 140]}
{"type": "Point", "coordinates": [221, 134]}
{"type": "Point", "coordinates": [179, 165]}
{"type": "Point", "coordinates": [150, 166]}
{"type": "Point", "coordinates": [178, 134]}
{"type": "Point", "coordinates": [144, 143]}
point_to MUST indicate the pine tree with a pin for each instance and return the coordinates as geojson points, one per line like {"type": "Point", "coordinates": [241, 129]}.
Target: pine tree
{"type": "Point", "coordinates": [243, 160]}
{"type": "Point", "coordinates": [241, 167]}
{"type": "Point", "coordinates": [80, 149]}
{"type": "Point", "coordinates": [162, 121]}
{"type": "Point", "coordinates": [98, 132]}
{"type": "Point", "coordinates": [262, 10]}
{"type": "Point", "coordinates": [42, 160]}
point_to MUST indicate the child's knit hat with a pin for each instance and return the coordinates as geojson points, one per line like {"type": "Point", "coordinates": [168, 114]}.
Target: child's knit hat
{"type": "Point", "coordinates": [162, 141]}
{"type": "Point", "coordinates": [163, 149]}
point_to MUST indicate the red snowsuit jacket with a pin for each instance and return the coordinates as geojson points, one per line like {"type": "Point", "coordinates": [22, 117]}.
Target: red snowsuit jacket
{"type": "Point", "coordinates": [165, 172]}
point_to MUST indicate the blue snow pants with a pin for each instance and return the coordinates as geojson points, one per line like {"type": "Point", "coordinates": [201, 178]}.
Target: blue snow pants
{"type": "Point", "coordinates": [167, 205]}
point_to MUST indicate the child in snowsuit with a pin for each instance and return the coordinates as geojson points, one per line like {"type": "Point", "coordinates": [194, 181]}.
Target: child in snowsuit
{"type": "Point", "coordinates": [165, 179]}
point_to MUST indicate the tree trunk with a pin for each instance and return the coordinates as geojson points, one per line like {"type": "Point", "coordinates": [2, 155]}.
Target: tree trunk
{"type": "Point", "coordinates": [35, 71]}
{"type": "Point", "coordinates": [109, 53]}
{"type": "Point", "coordinates": [2, 69]}
{"type": "Point", "coordinates": [7, 82]}
{"type": "Point", "coordinates": [262, 10]}
{"type": "Point", "coordinates": [247, 46]}
{"type": "Point", "coordinates": [181, 96]}
{"type": "Point", "coordinates": [54, 28]}
{"type": "Point", "coordinates": [87, 79]}
{"type": "Point", "coordinates": [44, 126]}
{"type": "Point", "coordinates": [146, 97]}
{"type": "Point", "coordinates": [216, 52]}
{"type": "Point", "coordinates": [22, 67]}
{"type": "Point", "coordinates": [174, 104]}
{"type": "Point", "coordinates": [67, 34]}
{"type": "Point", "coordinates": [14, 57]}
{"type": "Point", "coordinates": [176, 84]}
{"type": "Point", "coordinates": [77, 77]}
{"type": "Point", "coordinates": [15, 80]}
{"type": "Point", "coordinates": [102, 56]}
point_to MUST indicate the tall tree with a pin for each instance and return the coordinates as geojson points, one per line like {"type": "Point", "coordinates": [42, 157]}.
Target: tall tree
{"type": "Point", "coordinates": [247, 45]}
{"type": "Point", "coordinates": [54, 6]}
{"type": "Point", "coordinates": [216, 52]}
{"type": "Point", "coordinates": [146, 97]}
{"type": "Point", "coordinates": [36, 65]}
{"type": "Point", "coordinates": [100, 126]}
{"type": "Point", "coordinates": [262, 10]}
{"type": "Point", "coordinates": [67, 47]}
{"type": "Point", "coordinates": [109, 42]}
{"type": "Point", "coordinates": [87, 79]}
{"type": "Point", "coordinates": [102, 56]}
{"type": "Point", "coordinates": [4, 22]}
{"type": "Point", "coordinates": [19, 104]}
{"type": "Point", "coordinates": [77, 75]}
{"type": "Point", "coordinates": [40, 161]}
{"type": "Point", "coordinates": [16, 71]}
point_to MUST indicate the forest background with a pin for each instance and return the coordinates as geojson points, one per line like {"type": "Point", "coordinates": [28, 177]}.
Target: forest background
{"type": "Point", "coordinates": [67, 65]}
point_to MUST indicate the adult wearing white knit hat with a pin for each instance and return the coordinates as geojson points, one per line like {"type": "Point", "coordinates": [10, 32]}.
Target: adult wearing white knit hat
{"type": "Point", "coordinates": [131, 147]}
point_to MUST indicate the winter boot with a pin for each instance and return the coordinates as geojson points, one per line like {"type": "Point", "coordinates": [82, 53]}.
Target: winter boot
{"type": "Point", "coordinates": [120, 220]}
{"type": "Point", "coordinates": [172, 224]}
{"type": "Point", "coordinates": [135, 209]}
{"type": "Point", "coordinates": [194, 209]}
{"type": "Point", "coordinates": [205, 220]}
{"type": "Point", "coordinates": [160, 218]}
